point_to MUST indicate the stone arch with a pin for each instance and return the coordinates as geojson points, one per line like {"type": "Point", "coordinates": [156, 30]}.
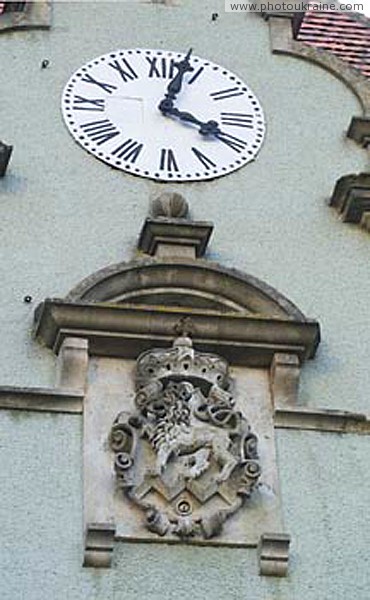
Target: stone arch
{"type": "Point", "coordinates": [194, 284]}
{"type": "Point", "coordinates": [283, 42]}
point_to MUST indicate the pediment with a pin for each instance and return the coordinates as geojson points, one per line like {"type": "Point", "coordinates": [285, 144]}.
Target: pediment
{"type": "Point", "coordinates": [193, 284]}
{"type": "Point", "coordinates": [120, 308]}
{"type": "Point", "coordinates": [123, 309]}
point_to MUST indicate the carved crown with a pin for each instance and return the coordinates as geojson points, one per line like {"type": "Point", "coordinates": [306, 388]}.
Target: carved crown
{"type": "Point", "coordinates": [181, 361]}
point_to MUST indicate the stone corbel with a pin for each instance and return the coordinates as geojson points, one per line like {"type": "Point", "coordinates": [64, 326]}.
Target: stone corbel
{"type": "Point", "coordinates": [33, 15]}
{"type": "Point", "coordinates": [351, 199]}
{"type": "Point", "coordinates": [73, 360]}
{"type": "Point", "coordinates": [99, 544]}
{"type": "Point", "coordinates": [273, 554]}
{"type": "Point", "coordinates": [5, 154]}
{"type": "Point", "coordinates": [359, 131]}
{"type": "Point", "coordinates": [284, 379]}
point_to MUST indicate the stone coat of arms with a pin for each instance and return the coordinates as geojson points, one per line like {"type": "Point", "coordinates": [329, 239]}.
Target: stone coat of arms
{"type": "Point", "coordinates": [187, 457]}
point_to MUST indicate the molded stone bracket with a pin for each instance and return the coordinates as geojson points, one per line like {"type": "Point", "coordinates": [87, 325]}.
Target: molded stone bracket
{"type": "Point", "coordinates": [359, 131]}
{"type": "Point", "coordinates": [5, 154]}
{"type": "Point", "coordinates": [99, 544]}
{"type": "Point", "coordinates": [35, 15]}
{"type": "Point", "coordinates": [73, 362]}
{"type": "Point", "coordinates": [284, 379]}
{"type": "Point", "coordinates": [351, 199]}
{"type": "Point", "coordinates": [273, 553]}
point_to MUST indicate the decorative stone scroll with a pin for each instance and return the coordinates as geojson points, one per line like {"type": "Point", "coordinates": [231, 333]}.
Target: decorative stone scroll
{"type": "Point", "coordinates": [187, 456]}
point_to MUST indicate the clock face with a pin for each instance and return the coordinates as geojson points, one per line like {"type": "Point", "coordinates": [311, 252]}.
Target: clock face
{"type": "Point", "coordinates": [111, 108]}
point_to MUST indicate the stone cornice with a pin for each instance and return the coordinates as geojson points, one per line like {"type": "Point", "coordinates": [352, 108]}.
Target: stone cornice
{"type": "Point", "coordinates": [41, 399]}
{"type": "Point", "coordinates": [56, 400]}
{"type": "Point", "coordinates": [127, 330]}
{"type": "Point", "coordinates": [318, 419]}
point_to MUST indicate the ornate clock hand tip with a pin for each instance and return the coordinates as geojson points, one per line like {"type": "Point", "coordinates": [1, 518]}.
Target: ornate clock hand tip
{"type": "Point", "coordinates": [166, 105]}
{"type": "Point", "coordinates": [210, 128]}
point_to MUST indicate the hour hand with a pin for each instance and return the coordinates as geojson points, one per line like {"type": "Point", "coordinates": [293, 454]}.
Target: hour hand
{"type": "Point", "coordinates": [205, 128]}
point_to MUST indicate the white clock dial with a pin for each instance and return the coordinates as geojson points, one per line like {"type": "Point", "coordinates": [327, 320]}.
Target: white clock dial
{"type": "Point", "coordinates": [111, 108]}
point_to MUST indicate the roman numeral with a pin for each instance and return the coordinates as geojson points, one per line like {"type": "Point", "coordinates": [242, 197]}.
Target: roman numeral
{"type": "Point", "coordinates": [126, 71]}
{"type": "Point", "coordinates": [196, 75]}
{"type": "Point", "coordinates": [81, 103]}
{"type": "Point", "coordinates": [237, 120]}
{"type": "Point", "coordinates": [100, 131]}
{"type": "Point", "coordinates": [107, 87]}
{"type": "Point", "coordinates": [161, 67]}
{"type": "Point", "coordinates": [228, 93]}
{"type": "Point", "coordinates": [206, 162]}
{"type": "Point", "coordinates": [232, 141]}
{"type": "Point", "coordinates": [168, 161]}
{"type": "Point", "coordinates": [129, 150]}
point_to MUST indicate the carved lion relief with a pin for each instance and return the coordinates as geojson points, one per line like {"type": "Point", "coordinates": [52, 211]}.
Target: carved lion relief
{"type": "Point", "coordinates": [187, 456]}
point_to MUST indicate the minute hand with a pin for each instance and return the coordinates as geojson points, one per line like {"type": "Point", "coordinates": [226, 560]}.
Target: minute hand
{"type": "Point", "coordinates": [174, 87]}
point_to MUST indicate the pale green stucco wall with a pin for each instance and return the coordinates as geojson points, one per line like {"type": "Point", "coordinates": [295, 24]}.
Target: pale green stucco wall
{"type": "Point", "coordinates": [64, 215]}
{"type": "Point", "coordinates": [325, 506]}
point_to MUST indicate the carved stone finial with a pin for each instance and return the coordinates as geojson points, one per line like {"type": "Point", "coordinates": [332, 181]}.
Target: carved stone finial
{"type": "Point", "coordinates": [184, 327]}
{"type": "Point", "coordinates": [171, 205]}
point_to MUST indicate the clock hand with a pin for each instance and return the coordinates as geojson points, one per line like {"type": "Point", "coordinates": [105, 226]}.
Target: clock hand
{"type": "Point", "coordinates": [209, 128]}
{"type": "Point", "coordinates": [174, 87]}
{"type": "Point", "coordinates": [205, 128]}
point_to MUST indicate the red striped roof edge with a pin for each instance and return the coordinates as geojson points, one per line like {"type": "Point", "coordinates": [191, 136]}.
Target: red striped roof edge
{"type": "Point", "coordinates": [346, 35]}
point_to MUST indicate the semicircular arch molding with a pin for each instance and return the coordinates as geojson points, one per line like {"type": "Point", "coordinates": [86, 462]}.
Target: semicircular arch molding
{"type": "Point", "coordinates": [283, 42]}
{"type": "Point", "coordinates": [186, 284]}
